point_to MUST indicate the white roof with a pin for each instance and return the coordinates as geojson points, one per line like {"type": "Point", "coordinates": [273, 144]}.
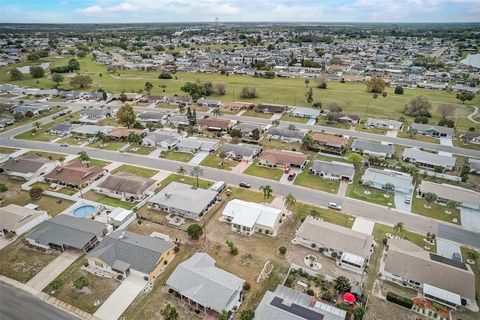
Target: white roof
{"type": "Point", "coordinates": [353, 258]}
{"type": "Point", "coordinates": [442, 294]}
{"type": "Point", "coordinates": [250, 213]}
{"type": "Point", "coordinates": [119, 214]}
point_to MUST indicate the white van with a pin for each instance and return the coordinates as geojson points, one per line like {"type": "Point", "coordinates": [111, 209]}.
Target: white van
{"type": "Point", "coordinates": [218, 186]}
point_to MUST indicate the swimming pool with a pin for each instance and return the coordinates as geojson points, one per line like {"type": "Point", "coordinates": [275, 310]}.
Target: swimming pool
{"type": "Point", "coordinates": [84, 211]}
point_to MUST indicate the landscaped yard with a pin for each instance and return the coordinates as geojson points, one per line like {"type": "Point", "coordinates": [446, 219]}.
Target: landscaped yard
{"type": "Point", "coordinates": [67, 191]}
{"type": "Point", "coordinates": [110, 145]}
{"type": "Point", "coordinates": [303, 210]}
{"type": "Point", "coordinates": [34, 118]}
{"type": "Point", "coordinates": [308, 180]}
{"type": "Point", "coordinates": [42, 133]}
{"type": "Point", "coordinates": [72, 141]}
{"type": "Point", "coordinates": [214, 161]}
{"type": "Point", "coordinates": [380, 231]}
{"type": "Point", "coordinates": [16, 195]}
{"type": "Point", "coordinates": [246, 195]}
{"type": "Point", "coordinates": [89, 298]}
{"type": "Point", "coordinates": [418, 137]}
{"type": "Point", "coordinates": [99, 163]}
{"type": "Point", "coordinates": [21, 262]}
{"type": "Point", "coordinates": [253, 113]}
{"type": "Point", "coordinates": [109, 201]}
{"type": "Point", "coordinates": [178, 156]}
{"type": "Point", "coordinates": [357, 191]}
{"type": "Point", "coordinates": [360, 127]}
{"type": "Point", "coordinates": [260, 171]}
{"type": "Point", "coordinates": [435, 211]}
{"type": "Point", "coordinates": [142, 172]}
{"type": "Point", "coordinates": [288, 117]}
{"type": "Point", "coordinates": [143, 150]}
{"type": "Point", "coordinates": [204, 184]}
{"type": "Point", "coordinates": [48, 155]}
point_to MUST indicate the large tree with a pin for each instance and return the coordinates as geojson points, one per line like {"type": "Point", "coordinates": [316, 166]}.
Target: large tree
{"type": "Point", "coordinates": [148, 87]}
{"type": "Point", "coordinates": [398, 228]}
{"type": "Point", "coordinates": [126, 115]}
{"type": "Point", "coordinates": [16, 74]}
{"type": "Point", "coordinates": [37, 72]}
{"type": "Point", "coordinates": [57, 78]}
{"type": "Point", "coordinates": [418, 106]}
{"type": "Point", "coordinates": [465, 96]}
{"type": "Point", "coordinates": [446, 110]}
{"type": "Point", "coordinates": [81, 81]}
{"type": "Point", "coordinates": [375, 85]}
{"type": "Point", "coordinates": [356, 159]}
{"type": "Point", "coordinates": [195, 231]}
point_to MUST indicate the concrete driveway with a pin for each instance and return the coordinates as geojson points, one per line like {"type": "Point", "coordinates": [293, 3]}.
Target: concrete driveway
{"type": "Point", "coordinates": [363, 225]}
{"type": "Point", "coordinates": [311, 121]}
{"type": "Point", "coordinates": [400, 201]}
{"type": "Point", "coordinates": [53, 269]}
{"type": "Point", "coordinates": [284, 178]}
{"type": "Point", "coordinates": [470, 218]}
{"type": "Point", "coordinates": [446, 141]}
{"type": "Point", "coordinates": [342, 188]}
{"type": "Point", "coordinates": [121, 298]}
{"type": "Point", "coordinates": [241, 166]}
{"type": "Point", "coordinates": [447, 248]}
{"type": "Point", "coordinates": [198, 158]}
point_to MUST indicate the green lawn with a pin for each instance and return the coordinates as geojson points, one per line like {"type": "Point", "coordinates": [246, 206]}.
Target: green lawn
{"type": "Point", "coordinates": [42, 133]}
{"type": "Point", "coordinates": [436, 211]}
{"type": "Point", "coordinates": [48, 155]}
{"type": "Point", "coordinates": [5, 150]}
{"type": "Point", "coordinates": [380, 230]}
{"type": "Point", "coordinates": [269, 173]}
{"type": "Point", "coordinates": [324, 122]}
{"type": "Point", "coordinates": [67, 191]}
{"type": "Point", "coordinates": [460, 144]}
{"type": "Point", "coordinates": [99, 163]}
{"type": "Point", "coordinates": [109, 201]}
{"type": "Point", "coordinates": [247, 195]}
{"type": "Point", "coordinates": [357, 191]}
{"type": "Point", "coordinates": [142, 172]}
{"type": "Point", "coordinates": [475, 268]}
{"type": "Point", "coordinates": [110, 146]}
{"type": "Point", "coordinates": [253, 113]}
{"type": "Point", "coordinates": [351, 96]}
{"type": "Point", "coordinates": [204, 184]}
{"type": "Point", "coordinates": [288, 117]}
{"type": "Point", "coordinates": [25, 121]}
{"type": "Point", "coordinates": [303, 210]}
{"type": "Point", "coordinates": [418, 137]}
{"type": "Point", "coordinates": [280, 145]}
{"type": "Point", "coordinates": [311, 181]}
{"type": "Point", "coordinates": [178, 156]}
{"type": "Point", "coordinates": [360, 127]}
{"type": "Point", "coordinates": [140, 150]}
{"type": "Point", "coordinates": [72, 141]}
{"type": "Point", "coordinates": [215, 161]}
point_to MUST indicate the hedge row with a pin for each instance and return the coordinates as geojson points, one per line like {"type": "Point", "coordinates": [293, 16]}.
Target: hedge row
{"type": "Point", "coordinates": [395, 298]}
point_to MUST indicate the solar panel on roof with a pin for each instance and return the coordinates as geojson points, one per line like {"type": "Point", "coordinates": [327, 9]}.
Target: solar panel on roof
{"type": "Point", "coordinates": [296, 309]}
{"type": "Point", "coordinates": [450, 262]}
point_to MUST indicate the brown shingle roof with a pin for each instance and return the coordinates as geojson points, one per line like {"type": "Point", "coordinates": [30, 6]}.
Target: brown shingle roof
{"type": "Point", "coordinates": [123, 132]}
{"type": "Point", "coordinates": [74, 173]}
{"type": "Point", "coordinates": [27, 164]}
{"type": "Point", "coordinates": [324, 138]}
{"type": "Point", "coordinates": [127, 183]}
{"type": "Point", "coordinates": [283, 157]}
{"type": "Point", "coordinates": [214, 123]}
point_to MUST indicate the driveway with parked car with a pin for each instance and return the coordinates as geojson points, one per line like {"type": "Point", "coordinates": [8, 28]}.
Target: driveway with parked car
{"type": "Point", "coordinates": [403, 201]}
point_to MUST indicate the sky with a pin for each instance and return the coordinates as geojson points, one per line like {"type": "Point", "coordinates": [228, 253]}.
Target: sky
{"type": "Point", "coordinates": [129, 11]}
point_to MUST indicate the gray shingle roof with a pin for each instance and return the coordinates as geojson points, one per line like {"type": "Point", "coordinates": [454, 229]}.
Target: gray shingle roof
{"type": "Point", "coordinates": [367, 145]}
{"type": "Point", "coordinates": [428, 157]}
{"type": "Point", "coordinates": [420, 127]}
{"type": "Point", "coordinates": [287, 133]}
{"type": "Point", "coordinates": [245, 150]}
{"type": "Point", "coordinates": [337, 168]}
{"type": "Point", "coordinates": [248, 127]}
{"type": "Point", "coordinates": [122, 249]}
{"type": "Point", "coordinates": [27, 164]}
{"type": "Point", "coordinates": [67, 230]}
{"type": "Point", "coordinates": [198, 279]}
{"type": "Point", "coordinates": [384, 123]}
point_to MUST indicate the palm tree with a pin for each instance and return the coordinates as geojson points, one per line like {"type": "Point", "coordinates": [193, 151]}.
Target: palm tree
{"type": "Point", "coordinates": [163, 86]}
{"type": "Point", "coordinates": [181, 108]}
{"type": "Point", "coordinates": [36, 124]}
{"type": "Point", "coordinates": [100, 136]}
{"type": "Point", "coordinates": [216, 112]}
{"type": "Point", "coordinates": [267, 191]}
{"type": "Point", "coordinates": [289, 201]}
{"type": "Point", "coordinates": [196, 172]}
{"type": "Point", "coordinates": [181, 171]}
{"type": "Point", "coordinates": [83, 156]}
{"type": "Point", "coordinates": [399, 228]}
{"type": "Point", "coordinates": [223, 155]}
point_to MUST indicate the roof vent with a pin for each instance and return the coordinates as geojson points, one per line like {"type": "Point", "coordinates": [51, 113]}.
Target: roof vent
{"type": "Point", "coordinates": [123, 235]}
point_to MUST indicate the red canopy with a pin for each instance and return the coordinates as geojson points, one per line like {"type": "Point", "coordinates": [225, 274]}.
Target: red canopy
{"type": "Point", "coordinates": [348, 297]}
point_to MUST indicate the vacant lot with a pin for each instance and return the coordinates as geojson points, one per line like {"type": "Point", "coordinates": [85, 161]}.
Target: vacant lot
{"type": "Point", "coordinates": [91, 297]}
{"type": "Point", "coordinates": [142, 172]}
{"type": "Point", "coordinates": [21, 262]}
{"type": "Point", "coordinates": [183, 179]}
{"type": "Point", "coordinates": [140, 150]}
{"type": "Point", "coordinates": [215, 161]}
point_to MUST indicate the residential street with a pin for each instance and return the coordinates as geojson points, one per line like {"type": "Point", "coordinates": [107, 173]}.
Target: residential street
{"type": "Point", "coordinates": [18, 305]}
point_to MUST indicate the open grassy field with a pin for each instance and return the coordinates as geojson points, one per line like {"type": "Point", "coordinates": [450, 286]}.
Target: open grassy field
{"type": "Point", "coordinates": [21, 262]}
{"type": "Point", "coordinates": [143, 172]}
{"type": "Point", "coordinates": [352, 97]}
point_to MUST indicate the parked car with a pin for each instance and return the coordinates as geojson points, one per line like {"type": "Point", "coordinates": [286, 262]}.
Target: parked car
{"type": "Point", "coordinates": [408, 200]}
{"type": "Point", "coordinates": [245, 185]}
{"type": "Point", "coordinates": [291, 176]}
{"type": "Point", "coordinates": [335, 206]}
{"type": "Point", "coordinates": [65, 145]}
{"type": "Point", "coordinates": [287, 170]}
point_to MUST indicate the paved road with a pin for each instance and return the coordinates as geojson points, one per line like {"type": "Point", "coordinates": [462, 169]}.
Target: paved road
{"type": "Point", "coordinates": [381, 214]}
{"type": "Point", "coordinates": [16, 304]}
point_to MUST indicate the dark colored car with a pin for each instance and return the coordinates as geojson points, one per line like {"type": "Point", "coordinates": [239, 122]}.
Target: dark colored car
{"type": "Point", "coordinates": [291, 176]}
{"type": "Point", "coordinates": [244, 185]}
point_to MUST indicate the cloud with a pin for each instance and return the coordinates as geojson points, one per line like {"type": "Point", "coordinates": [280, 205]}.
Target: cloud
{"type": "Point", "coordinates": [92, 10]}
{"type": "Point", "coordinates": [122, 7]}
{"type": "Point", "coordinates": [226, 9]}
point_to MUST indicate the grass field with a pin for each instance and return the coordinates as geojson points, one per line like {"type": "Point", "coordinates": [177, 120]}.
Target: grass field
{"type": "Point", "coordinates": [142, 172]}
{"type": "Point", "coordinates": [204, 184]}
{"type": "Point", "coordinates": [178, 156]}
{"type": "Point", "coordinates": [303, 210]}
{"type": "Point", "coordinates": [352, 97]}
{"type": "Point", "coordinates": [99, 163]}
{"type": "Point", "coordinates": [436, 211]}
{"type": "Point", "coordinates": [305, 179]}
{"type": "Point", "coordinates": [269, 173]}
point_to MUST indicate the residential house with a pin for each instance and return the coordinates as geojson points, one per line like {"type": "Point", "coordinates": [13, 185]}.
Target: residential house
{"type": "Point", "coordinates": [370, 148]}
{"type": "Point", "coordinates": [161, 138]}
{"type": "Point", "coordinates": [90, 130]}
{"type": "Point", "coordinates": [127, 186]}
{"type": "Point", "coordinates": [123, 252]}
{"type": "Point", "coordinates": [384, 124]}
{"type": "Point", "coordinates": [178, 100]}
{"type": "Point", "coordinates": [281, 158]}
{"type": "Point", "coordinates": [34, 109]}
{"type": "Point", "coordinates": [474, 166]}
{"type": "Point", "coordinates": [131, 96]}
{"type": "Point", "coordinates": [331, 144]}
{"type": "Point", "coordinates": [62, 129]}
{"type": "Point", "coordinates": [309, 113]}
{"type": "Point", "coordinates": [198, 282]}
{"type": "Point", "coordinates": [93, 115]}
{"type": "Point", "coordinates": [288, 304]}
{"type": "Point", "coordinates": [431, 130]}
{"type": "Point", "coordinates": [74, 174]}
{"type": "Point", "coordinates": [214, 124]}
{"type": "Point", "coordinates": [153, 99]}
{"type": "Point", "coordinates": [471, 137]}
{"type": "Point", "coordinates": [286, 134]}
{"type": "Point", "coordinates": [446, 192]}
{"type": "Point", "coordinates": [6, 122]}
{"type": "Point", "coordinates": [440, 279]}
{"type": "Point", "coordinates": [351, 119]}
{"type": "Point", "coordinates": [209, 103]}
{"type": "Point", "coordinates": [194, 145]}
{"type": "Point", "coordinates": [333, 170]}
{"type": "Point", "coordinates": [120, 216]}
{"type": "Point", "coordinates": [271, 108]}
{"type": "Point", "coordinates": [19, 219]}
{"type": "Point", "coordinates": [64, 232]}
{"type": "Point", "coordinates": [123, 133]}
{"type": "Point", "coordinates": [154, 117]}
{"type": "Point", "coordinates": [247, 128]}
{"type": "Point", "coordinates": [26, 167]}
{"type": "Point", "coordinates": [429, 160]}
{"type": "Point", "coordinates": [239, 105]}
{"type": "Point", "coordinates": [350, 248]}
{"type": "Point", "coordinates": [241, 151]}
{"type": "Point", "coordinates": [380, 179]}
{"type": "Point", "coordinates": [178, 120]}
{"type": "Point", "coordinates": [184, 200]}
{"type": "Point", "coordinates": [249, 217]}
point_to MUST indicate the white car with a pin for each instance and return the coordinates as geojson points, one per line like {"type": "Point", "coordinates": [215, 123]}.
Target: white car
{"type": "Point", "coordinates": [333, 205]}
{"type": "Point", "coordinates": [408, 200]}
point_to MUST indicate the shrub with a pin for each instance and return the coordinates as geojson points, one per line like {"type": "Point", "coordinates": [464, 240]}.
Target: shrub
{"type": "Point", "coordinates": [327, 296]}
{"type": "Point", "coordinates": [310, 292]}
{"type": "Point", "coordinates": [399, 90]}
{"type": "Point", "coordinates": [234, 251]}
{"type": "Point", "coordinates": [267, 231]}
{"type": "Point", "coordinates": [165, 75]}
{"type": "Point", "coordinates": [55, 284]}
{"type": "Point", "coordinates": [246, 286]}
{"type": "Point", "coordinates": [3, 187]}
{"type": "Point", "coordinates": [176, 249]}
{"type": "Point", "coordinates": [313, 245]}
{"type": "Point", "coordinates": [334, 254]}
{"type": "Point", "coordinates": [195, 231]}
{"type": "Point", "coordinates": [119, 277]}
{"type": "Point", "coordinates": [36, 193]}
{"type": "Point", "coordinates": [81, 283]}
{"type": "Point", "coordinates": [384, 241]}
{"type": "Point", "coordinates": [282, 250]}
{"type": "Point", "coordinates": [395, 298]}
